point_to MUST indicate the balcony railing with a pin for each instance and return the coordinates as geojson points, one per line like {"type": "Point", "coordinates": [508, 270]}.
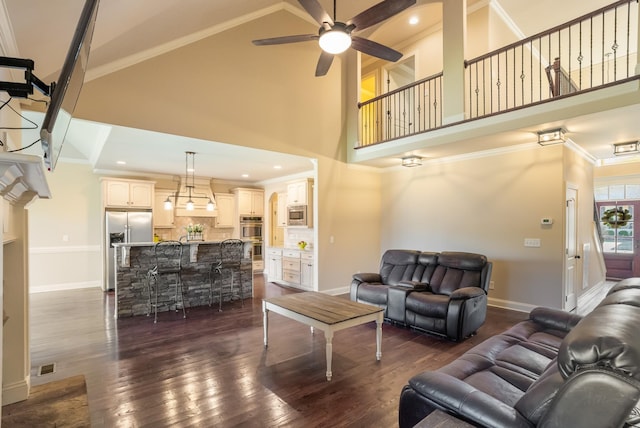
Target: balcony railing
{"type": "Point", "coordinates": [594, 51]}
{"type": "Point", "coordinates": [405, 111]}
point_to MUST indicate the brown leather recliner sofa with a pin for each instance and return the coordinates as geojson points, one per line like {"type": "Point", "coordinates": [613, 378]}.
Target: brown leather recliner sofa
{"type": "Point", "coordinates": [440, 293]}
{"type": "Point", "coordinates": [555, 369]}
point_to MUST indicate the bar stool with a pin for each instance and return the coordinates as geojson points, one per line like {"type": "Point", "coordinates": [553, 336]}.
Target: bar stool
{"type": "Point", "coordinates": [231, 255]}
{"type": "Point", "coordinates": [168, 257]}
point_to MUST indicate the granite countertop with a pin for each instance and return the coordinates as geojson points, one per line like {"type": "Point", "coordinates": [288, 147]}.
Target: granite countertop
{"type": "Point", "coordinates": [151, 244]}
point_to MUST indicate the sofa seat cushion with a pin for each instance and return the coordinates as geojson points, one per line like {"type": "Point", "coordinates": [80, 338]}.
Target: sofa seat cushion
{"type": "Point", "coordinates": [428, 304]}
{"type": "Point", "coordinates": [373, 293]}
{"type": "Point", "coordinates": [505, 366]}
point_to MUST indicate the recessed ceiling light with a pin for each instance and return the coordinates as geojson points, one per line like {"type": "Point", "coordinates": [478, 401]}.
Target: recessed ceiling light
{"type": "Point", "coordinates": [245, 175]}
{"type": "Point", "coordinates": [414, 20]}
{"type": "Point", "coordinates": [121, 162]}
{"type": "Point", "coordinates": [277, 167]}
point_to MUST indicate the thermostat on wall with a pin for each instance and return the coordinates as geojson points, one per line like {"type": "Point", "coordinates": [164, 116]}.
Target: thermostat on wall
{"type": "Point", "coordinates": [546, 220]}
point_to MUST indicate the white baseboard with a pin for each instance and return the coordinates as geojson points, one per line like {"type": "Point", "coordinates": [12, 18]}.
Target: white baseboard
{"type": "Point", "coordinates": [507, 304]}
{"type": "Point", "coordinates": [337, 291]}
{"type": "Point", "coordinates": [16, 391]}
{"type": "Point", "coordinates": [65, 286]}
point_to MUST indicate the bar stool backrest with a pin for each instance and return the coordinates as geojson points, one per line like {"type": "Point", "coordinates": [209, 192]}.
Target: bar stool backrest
{"type": "Point", "coordinates": [168, 256]}
{"type": "Point", "coordinates": [231, 252]}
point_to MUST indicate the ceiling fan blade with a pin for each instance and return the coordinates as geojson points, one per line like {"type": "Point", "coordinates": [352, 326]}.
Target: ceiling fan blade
{"type": "Point", "coordinates": [378, 13]}
{"type": "Point", "coordinates": [374, 49]}
{"type": "Point", "coordinates": [324, 62]}
{"type": "Point", "coordinates": [285, 39]}
{"type": "Point", "coordinates": [317, 12]}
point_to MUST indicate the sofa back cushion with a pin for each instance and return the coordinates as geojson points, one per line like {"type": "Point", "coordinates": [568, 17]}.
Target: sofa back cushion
{"type": "Point", "coordinates": [427, 263]}
{"type": "Point", "coordinates": [457, 270]}
{"type": "Point", "coordinates": [398, 265]}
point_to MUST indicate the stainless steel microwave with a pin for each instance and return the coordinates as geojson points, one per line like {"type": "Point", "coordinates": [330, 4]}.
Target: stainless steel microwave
{"type": "Point", "coordinates": [297, 215]}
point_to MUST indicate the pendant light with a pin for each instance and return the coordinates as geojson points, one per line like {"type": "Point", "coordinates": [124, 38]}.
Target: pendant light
{"type": "Point", "coordinates": [189, 185]}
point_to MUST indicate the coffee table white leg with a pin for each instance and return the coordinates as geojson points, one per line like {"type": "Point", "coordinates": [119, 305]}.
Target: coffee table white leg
{"type": "Point", "coordinates": [265, 322]}
{"type": "Point", "coordinates": [379, 337]}
{"type": "Point", "coordinates": [328, 334]}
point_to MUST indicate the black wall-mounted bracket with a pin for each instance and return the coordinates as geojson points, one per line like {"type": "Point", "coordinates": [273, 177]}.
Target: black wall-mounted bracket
{"type": "Point", "coordinates": [19, 89]}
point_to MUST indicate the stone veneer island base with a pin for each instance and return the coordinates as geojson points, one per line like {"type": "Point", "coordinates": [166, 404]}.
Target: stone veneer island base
{"type": "Point", "coordinates": [133, 261]}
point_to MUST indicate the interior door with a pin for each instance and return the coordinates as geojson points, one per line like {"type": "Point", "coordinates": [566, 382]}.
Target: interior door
{"type": "Point", "coordinates": [620, 241]}
{"type": "Point", "coordinates": [571, 250]}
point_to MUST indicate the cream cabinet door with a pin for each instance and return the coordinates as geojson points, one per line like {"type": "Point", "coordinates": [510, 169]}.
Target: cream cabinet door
{"type": "Point", "coordinates": [141, 195]}
{"type": "Point", "coordinates": [117, 194]}
{"type": "Point", "coordinates": [281, 217]}
{"type": "Point", "coordinates": [161, 217]}
{"type": "Point", "coordinates": [250, 202]}
{"type": "Point", "coordinates": [306, 271]}
{"type": "Point", "coordinates": [226, 213]}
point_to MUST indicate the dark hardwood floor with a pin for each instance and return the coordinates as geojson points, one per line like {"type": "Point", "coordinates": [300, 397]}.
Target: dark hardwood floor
{"type": "Point", "coordinates": [213, 370]}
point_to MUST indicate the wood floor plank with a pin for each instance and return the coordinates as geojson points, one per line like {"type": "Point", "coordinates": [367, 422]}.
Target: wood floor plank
{"type": "Point", "coordinates": [213, 370]}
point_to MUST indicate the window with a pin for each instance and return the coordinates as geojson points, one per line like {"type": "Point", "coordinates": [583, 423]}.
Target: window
{"type": "Point", "coordinates": [617, 228]}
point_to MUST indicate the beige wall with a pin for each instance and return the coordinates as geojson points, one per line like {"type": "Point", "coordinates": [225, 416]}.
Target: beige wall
{"type": "Point", "coordinates": [73, 213]}
{"type": "Point", "coordinates": [486, 205]}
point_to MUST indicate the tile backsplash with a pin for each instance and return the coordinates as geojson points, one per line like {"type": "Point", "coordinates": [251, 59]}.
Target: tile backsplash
{"type": "Point", "coordinates": [210, 232]}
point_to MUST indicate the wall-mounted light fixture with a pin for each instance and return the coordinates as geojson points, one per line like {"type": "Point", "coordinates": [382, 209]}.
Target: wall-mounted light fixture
{"type": "Point", "coordinates": [626, 148]}
{"type": "Point", "coordinates": [411, 161]}
{"type": "Point", "coordinates": [551, 136]}
{"type": "Point", "coordinates": [189, 185]}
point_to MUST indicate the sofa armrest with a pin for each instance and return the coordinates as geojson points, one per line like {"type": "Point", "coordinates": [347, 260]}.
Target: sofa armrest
{"type": "Point", "coordinates": [466, 293]}
{"type": "Point", "coordinates": [554, 318]}
{"type": "Point", "coordinates": [466, 402]}
{"type": "Point", "coordinates": [414, 285]}
{"type": "Point", "coordinates": [368, 277]}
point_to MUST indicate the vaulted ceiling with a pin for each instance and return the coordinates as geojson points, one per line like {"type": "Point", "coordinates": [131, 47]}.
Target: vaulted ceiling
{"type": "Point", "coordinates": [128, 32]}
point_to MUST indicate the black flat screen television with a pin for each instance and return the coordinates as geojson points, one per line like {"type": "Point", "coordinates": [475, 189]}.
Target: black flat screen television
{"type": "Point", "coordinates": [66, 91]}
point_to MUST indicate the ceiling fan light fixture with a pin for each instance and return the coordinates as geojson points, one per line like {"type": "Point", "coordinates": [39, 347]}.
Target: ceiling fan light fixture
{"type": "Point", "coordinates": [336, 40]}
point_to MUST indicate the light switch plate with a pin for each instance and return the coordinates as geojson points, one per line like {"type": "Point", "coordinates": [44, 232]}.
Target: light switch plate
{"type": "Point", "coordinates": [531, 242]}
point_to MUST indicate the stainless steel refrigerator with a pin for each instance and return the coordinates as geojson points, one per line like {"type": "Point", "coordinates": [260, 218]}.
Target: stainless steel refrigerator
{"type": "Point", "coordinates": [124, 226]}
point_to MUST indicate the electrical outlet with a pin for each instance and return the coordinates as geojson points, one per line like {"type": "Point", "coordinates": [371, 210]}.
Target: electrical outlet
{"type": "Point", "coordinates": [492, 285]}
{"type": "Point", "coordinates": [531, 242]}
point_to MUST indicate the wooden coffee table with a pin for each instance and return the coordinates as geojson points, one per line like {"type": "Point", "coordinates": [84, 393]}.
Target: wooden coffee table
{"type": "Point", "coordinates": [325, 312]}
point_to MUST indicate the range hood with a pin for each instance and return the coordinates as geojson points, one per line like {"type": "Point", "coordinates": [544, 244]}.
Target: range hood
{"type": "Point", "coordinates": [22, 178]}
{"type": "Point", "coordinates": [200, 195]}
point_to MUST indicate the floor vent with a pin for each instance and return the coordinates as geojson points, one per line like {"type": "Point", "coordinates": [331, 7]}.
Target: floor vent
{"type": "Point", "coordinates": [46, 369]}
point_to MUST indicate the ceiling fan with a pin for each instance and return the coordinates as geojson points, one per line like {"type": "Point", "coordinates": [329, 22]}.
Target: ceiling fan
{"type": "Point", "coordinates": [336, 37]}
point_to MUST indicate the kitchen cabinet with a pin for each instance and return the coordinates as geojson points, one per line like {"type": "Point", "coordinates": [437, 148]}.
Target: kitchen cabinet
{"type": "Point", "coordinates": [274, 264]}
{"type": "Point", "coordinates": [250, 201]}
{"type": "Point", "coordinates": [291, 266]}
{"type": "Point", "coordinates": [163, 218]}
{"type": "Point", "coordinates": [225, 203]}
{"type": "Point", "coordinates": [128, 193]}
{"type": "Point", "coordinates": [281, 217]}
{"type": "Point", "coordinates": [296, 267]}
{"type": "Point", "coordinates": [306, 270]}
{"type": "Point", "coordinates": [300, 192]}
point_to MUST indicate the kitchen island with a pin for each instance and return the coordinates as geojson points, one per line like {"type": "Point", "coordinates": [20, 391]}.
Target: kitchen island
{"type": "Point", "coordinates": [133, 261]}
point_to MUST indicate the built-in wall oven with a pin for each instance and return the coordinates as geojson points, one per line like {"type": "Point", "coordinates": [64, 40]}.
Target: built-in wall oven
{"type": "Point", "coordinates": [251, 229]}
